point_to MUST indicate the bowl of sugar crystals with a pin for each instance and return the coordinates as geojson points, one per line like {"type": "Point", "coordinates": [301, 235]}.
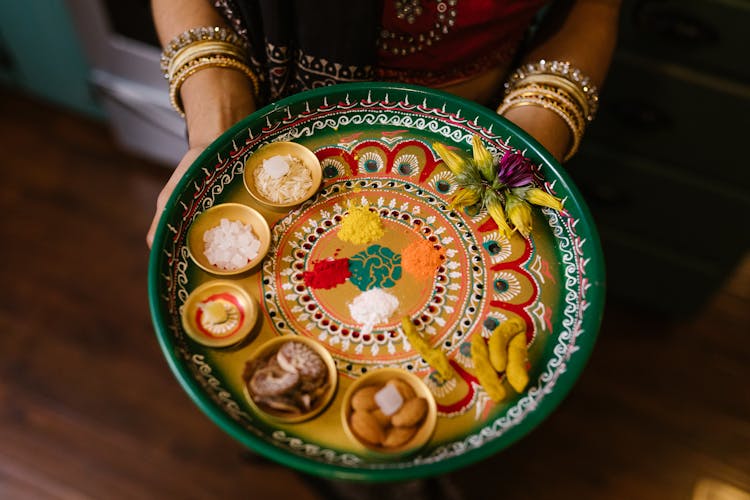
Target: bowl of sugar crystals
{"type": "Point", "coordinates": [228, 239]}
{"type": "Point", "coordinates": [282, 174]}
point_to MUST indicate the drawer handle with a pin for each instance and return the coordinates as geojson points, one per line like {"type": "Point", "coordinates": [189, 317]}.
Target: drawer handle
{"type": "Point", "coordinates": [669, 23]}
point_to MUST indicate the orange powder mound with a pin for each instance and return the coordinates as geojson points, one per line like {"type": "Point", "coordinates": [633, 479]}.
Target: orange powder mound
{"type": "Point", "coordinates": [421, 259]}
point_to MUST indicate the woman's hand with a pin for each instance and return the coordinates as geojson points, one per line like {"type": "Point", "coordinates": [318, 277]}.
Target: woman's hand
{"type": "Point", "coordinates": [214, 99]}
{"type": "Point", "coordinates": [166, 192]}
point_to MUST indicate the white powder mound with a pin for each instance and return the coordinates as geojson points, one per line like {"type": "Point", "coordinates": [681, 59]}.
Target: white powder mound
{"type": "Point", "coordinates": [277, 166]}
{"type": "Point", "coordinates": [230, 245]}
{"type": "Point", "coordinates": [372, 307]}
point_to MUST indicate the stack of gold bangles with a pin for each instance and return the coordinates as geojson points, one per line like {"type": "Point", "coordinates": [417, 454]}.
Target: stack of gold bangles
{"type": "Point", "coordinates": [201, 48]}
{"type": "Point", "coordinates": [555, 86]}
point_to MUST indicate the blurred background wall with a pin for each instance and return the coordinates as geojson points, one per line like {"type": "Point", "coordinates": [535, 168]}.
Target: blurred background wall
{"type": "Point", "coordinates": [663, 167]}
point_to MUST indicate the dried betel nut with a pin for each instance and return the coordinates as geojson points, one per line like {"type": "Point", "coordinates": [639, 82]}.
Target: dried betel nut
{"type": "Point", "coordinates": [398, 436]}
{"type": "Point", "coordinates": [367, 428]}
{"type": "Point", "coordinates": [364, 399]}
{"type": "Point", "coordinates": [411, 413]}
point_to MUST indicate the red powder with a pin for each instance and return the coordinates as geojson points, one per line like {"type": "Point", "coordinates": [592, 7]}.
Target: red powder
{"type": "Point", "coordinates": [327, 273]}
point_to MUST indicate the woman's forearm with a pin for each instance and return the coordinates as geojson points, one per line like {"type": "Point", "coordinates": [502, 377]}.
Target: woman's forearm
{"type": "Point", "coordinates": [214, 98]}
{"type": "Point", "coordinates": [172, 17]}
{"type": "Point", "coordinates": [583, 33]}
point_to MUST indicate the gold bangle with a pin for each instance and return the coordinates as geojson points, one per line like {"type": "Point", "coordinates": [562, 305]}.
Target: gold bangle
{"type": "Point", "coordinates": [202, 48]}
{"type": "Point", "coordinates": [576, 133]}
{"type": "Point", "coordinates": [561, 98]}
{"type": "Point", "coordinates": [562, 69]}
{"type": "Point", "coordinates": [192, 35]}
{"type": "Point", "coordinates": [563, 85]}
{"type": "Point", "coordinates": [203, 63]}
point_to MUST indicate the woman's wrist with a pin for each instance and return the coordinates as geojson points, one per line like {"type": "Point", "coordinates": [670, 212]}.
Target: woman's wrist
{"type": "Point", "coordinates": [214, 99]}
{"type": "Point", "coordinates": [543, 125]}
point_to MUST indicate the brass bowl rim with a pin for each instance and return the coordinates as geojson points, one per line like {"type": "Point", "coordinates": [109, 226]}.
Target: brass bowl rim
{"type": "Point", "coordinates": [273, 345]}
{"type": "Point", "coordinates": [419, 387]}
{"type": "Point", "coordinates": [251, 314]}
{"type": "Point", "coordinates": [262, 231]}
{"type": "Point", "coordinates": [316, 172]}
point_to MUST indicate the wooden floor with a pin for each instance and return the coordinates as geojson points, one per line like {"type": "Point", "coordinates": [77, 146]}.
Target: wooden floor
{"type": "Point", "coordinates": [90, 409]}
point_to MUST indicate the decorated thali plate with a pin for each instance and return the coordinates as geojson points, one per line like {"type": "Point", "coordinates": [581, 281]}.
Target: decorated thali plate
{"type": "Point", "coordinates": [350, 294]}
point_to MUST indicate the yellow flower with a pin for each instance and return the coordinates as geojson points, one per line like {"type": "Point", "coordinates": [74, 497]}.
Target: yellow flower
{"type": "Point", "coordinates": [519, 213]}
{"type": "Point", "coordinates": [540, 197]}
{"type": "Point", "coordinates": [452, 160]}
{"type": "Point", "coordinates": [464, 197]}
{"type": "Point", "coordinates": [495, 208]}
{"type": "Point", "coordinates": [482, 158]}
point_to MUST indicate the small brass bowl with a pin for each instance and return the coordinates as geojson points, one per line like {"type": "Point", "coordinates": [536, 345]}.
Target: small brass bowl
{"type": "Point", "coordinates": [211, 218]}
{"type": "Point", "coordinates": [269, 349]}
{"type": "Point", "coordinates": [240, 309]}
{"type": "Point", "coordinates": [281, 148]}
{"type": "Point", "coordinates": [379, 378]}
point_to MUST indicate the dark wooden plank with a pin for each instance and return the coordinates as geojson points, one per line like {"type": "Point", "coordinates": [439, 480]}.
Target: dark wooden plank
{"type": "Point", "coordinates": [89, 408]}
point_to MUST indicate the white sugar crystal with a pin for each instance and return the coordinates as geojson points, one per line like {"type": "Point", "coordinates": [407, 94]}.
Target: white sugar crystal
{"type": "Point", "coordinates": [389, 400]}
{"type": "Point", "coordinates": [277, 166]}
{"type": "Point", "coordinates": [230, 245]}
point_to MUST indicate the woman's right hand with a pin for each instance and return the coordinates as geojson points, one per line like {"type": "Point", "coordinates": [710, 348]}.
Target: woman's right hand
{"type": "Point", "coordinates": [214, 99]}
{"type": "Point", "coordinates": [166, 192]}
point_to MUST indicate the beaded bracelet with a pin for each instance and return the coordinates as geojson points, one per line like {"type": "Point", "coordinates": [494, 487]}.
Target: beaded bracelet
{"type": "Point", "coordinates": [216, 61]}
{"type": "Point", "coordinates": [561, 69]}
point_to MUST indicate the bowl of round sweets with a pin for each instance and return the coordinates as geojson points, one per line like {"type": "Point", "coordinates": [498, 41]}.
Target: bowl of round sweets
{"type": "Point", "coordinates": [389, 412]}
{"type": "Point", "coordinates": [282, 174]}
{"type": "Point", "coordinates": [228, 239]}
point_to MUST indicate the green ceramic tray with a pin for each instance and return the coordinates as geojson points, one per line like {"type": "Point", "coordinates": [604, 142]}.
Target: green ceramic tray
{"type": "Point", "coordinates": [374, 142]}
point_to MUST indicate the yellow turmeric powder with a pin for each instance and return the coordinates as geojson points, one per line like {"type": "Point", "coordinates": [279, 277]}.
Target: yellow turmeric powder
{"type": "Point", "coordinates": [361, 226]}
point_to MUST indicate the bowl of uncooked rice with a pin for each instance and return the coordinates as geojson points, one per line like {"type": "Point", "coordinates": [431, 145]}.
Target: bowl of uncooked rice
{"type": "Point", "coordinates": [229, 238]}
{"type": "Point", "coordinates": [282, 174]}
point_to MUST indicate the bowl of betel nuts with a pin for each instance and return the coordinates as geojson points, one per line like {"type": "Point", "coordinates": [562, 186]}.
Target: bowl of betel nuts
{"type": "Point", "coordinates": [389, 412]}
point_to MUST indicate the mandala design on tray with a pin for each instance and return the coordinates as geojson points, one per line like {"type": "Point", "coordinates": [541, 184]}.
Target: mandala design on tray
{"type": "Point", "coordinates": [312, 117]}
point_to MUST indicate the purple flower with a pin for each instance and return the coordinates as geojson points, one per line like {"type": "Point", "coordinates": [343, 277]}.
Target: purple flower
{"type": "Point", "coordinates": [514, 170]}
